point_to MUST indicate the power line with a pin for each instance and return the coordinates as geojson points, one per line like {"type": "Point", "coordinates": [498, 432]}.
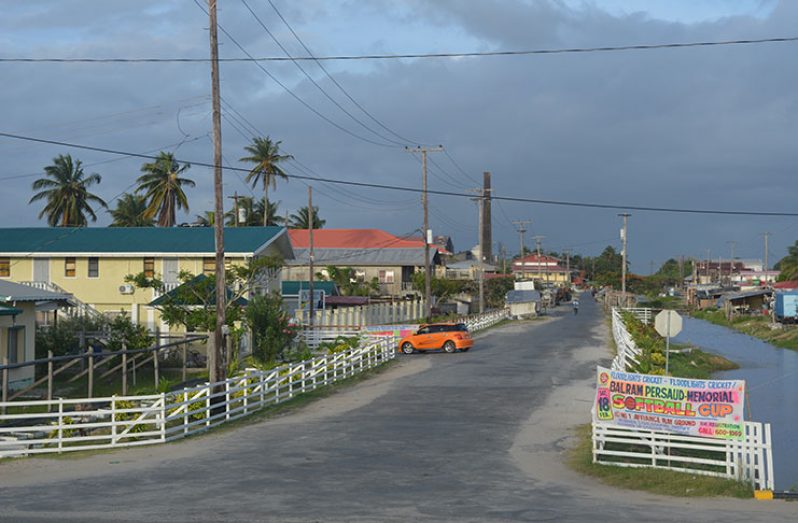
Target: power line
{"type": "Point", "coordinates": [313, 81]}
{"type": "Point", "coordinates": [430, 191]}
{"type": "Point", "coordinates": [568, 50]}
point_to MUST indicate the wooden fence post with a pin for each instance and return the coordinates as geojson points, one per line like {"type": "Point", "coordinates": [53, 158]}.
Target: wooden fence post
{"type": "Point", "coordinates": [124, 369]}
{"type": "Point", "coordinates": [91, 373]}
{"type": "Point", "coordinates": [113, 420]}
{"type": "Point", "coordinates": [49, 377]}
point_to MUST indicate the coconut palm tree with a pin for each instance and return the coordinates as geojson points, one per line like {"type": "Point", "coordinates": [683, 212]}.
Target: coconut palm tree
{"type": "Point", "coordinates": [206, 219]}
{"type": "Point", "coordinates": [253, 213]}
{"type": "Point", "coordinates": [163, 188]}
{"type": "Point", "coordinates": [300, 219]}
{"type": "Point", "coordinates": [129, 212]}
{"type": "Point", "coordinates": [266, 157]}
{"type": "Point", "coordinates": [65, 188]}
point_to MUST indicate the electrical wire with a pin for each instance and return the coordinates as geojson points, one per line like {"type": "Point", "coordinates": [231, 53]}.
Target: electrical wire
{"type": "Point", "coordinates": [473, 54]}
{"type": "Point", "coordinates": [416, 190]}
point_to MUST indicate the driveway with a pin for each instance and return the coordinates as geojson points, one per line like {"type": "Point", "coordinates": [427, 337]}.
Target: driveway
{"type": "Point", "coordinates": [476, 436]}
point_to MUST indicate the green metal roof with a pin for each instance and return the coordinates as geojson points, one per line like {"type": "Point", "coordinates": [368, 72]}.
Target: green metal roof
{"type": "Point", "coordinates": [126, 240]}
{"type": "Point", "coordinates": [9, 311]}
{"type": "Point", "coordinates": [291, 288]}
{"type": "Point", "coordinates": [183, 295]}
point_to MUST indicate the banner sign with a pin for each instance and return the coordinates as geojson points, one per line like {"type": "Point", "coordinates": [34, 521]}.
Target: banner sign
{"type": "Point", "coordinates": [708, 408]}
{"type": "Point", "coordinates": [399, 331]}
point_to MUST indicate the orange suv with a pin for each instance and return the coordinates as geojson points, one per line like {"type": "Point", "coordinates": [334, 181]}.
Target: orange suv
{"type": "Point", "coordinates": [450, 337]}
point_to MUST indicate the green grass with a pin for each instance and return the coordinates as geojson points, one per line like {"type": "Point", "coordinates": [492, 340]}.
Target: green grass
{"type": "Point", "coordinates": [658, 481]}
{"type": "Point", "coordinates": [756, 326]}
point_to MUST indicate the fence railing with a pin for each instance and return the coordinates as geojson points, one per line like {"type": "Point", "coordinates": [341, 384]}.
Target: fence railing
{"type": "Point", "coordinates": [628, 354]}
{"type": "Point", "coordinates": [42, 426]}
{"type": "Point", "coordinates": [643, 314]}
{"type": "Point", "coordinates": [749, 460]}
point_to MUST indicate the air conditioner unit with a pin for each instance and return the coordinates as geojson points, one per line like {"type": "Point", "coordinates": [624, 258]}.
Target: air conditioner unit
{"type": "Point", "coordinates": [126, 289]}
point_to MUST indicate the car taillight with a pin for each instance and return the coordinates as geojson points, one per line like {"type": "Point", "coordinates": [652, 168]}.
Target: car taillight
{"type": "Point", "coordinates": [458, 336]}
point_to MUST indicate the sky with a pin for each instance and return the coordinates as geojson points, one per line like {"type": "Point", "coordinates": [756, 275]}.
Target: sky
{"type": "Point", "coordinates": [697, 128]}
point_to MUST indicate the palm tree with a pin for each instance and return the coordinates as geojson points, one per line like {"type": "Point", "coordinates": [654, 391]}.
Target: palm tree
{"type": "Point", "coordinates": [65, 188]}
{"type": "Point", "coordinates": [300, 220]}
{"type": "Point", "coordinates": [206, 219]}
{"type": "Point", "coordinates": [163, 188]}
{"type": "Point", "coordinates": [266, 157]}
{"type": "Point", "coordinates": [129, 211]}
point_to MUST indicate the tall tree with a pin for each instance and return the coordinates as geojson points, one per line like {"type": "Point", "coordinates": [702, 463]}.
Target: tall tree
{"type": "Point", "coordinates": [253, 213]}
{"type": "Point", "coordinates": [789, 264]}
{"type": "Point", "coordinates": [163, 188]}
{"type": "Point", "coordinates": [301, 220]}
{"type": "Point", "coordinates": [129, 212]}
{"type": "Point", "coordinates": [65, 188]}
{"type": "Point", "coordinates": [206, 219]}
{"type": "Point", "coordinates": [266, 159]}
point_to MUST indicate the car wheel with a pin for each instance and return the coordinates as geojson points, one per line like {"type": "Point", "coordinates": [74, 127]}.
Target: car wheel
{"type": "Point", "coordinates": [407, 348]}
{"type": "Point", "coordinates": [449, 346]}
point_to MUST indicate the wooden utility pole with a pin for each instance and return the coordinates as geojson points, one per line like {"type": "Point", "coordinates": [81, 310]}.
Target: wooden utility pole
{"type": "Point", "coordinates": [766, 235]}
{"type": "Point", "coordinates": [426, 233]}
{"type": "Point", "coordinates": [568, 266]}
{"type": "Point", "coordinates": [732, 245]}
{"type": "Point", "coordinates": [311, 300]}
{"type": "Point", "coordinates": [485, 224]}
{"type": "Point", "coordinates": [219, 367]}
{"type": "Point", "coordinates": [623, 253]}
{"type": "Point", "coordinates": [521, 228]}
{"type": "Point", "coordinates": [482, 238]}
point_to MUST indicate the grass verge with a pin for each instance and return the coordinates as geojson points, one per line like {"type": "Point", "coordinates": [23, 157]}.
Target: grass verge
{"type": "Point", "coordinates": [657, 481]}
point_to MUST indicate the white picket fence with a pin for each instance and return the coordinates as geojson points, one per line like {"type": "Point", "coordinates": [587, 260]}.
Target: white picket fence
{"type": "Point", "coordinates": [627, 356]}
{"type": "Point", "coordinates": [38, 427]}
{"type": "Point", "coordinates": [749, 460]}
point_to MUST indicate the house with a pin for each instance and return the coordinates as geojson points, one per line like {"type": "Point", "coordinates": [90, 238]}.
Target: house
{"type": "Point", "coordinates": [543, 268]}
{"type": "Point", "coordinates": [18, 304]}
{"type": "Point", "coordinates": [91, 263]}
{"type": "Point", "coordinates": [468, 270]}
{"type": "Point", "coordinates": [372, 253]}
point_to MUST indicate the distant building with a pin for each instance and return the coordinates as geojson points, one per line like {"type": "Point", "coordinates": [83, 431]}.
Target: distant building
{"type": "Point", "coordinates": [544, 269]}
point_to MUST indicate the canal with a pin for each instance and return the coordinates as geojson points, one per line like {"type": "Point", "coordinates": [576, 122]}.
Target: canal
{"type": "Point", "coordinates": [771, 376]}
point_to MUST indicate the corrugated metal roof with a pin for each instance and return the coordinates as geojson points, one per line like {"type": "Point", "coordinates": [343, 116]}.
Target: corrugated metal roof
{"type": "Point", "coordinates": [10, 291]}
{"type": "Point", "coordinates": [35, 241]}
{"type": "Point", "coordinates": [351, 239]}
{"type": "Point", "coordinates": [358, 257]}
{"type": "Point", "coordinates": [9, 311]}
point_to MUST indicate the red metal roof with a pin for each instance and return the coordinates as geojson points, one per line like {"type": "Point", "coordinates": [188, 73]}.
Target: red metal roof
{"type": "Point", "coordinates": [351, 239]}
{"type": "Point", "coordinates": [786, 285]}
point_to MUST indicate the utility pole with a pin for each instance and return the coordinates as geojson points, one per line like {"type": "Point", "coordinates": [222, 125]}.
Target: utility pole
{"type": "Point", "coordinates": [625, 216]}
{"type": "Point", "coordinates": [481, 202]}
{"type": "Point", "coordinates": [312, 300]}
{"type": "Point", "coordinates": [521, 228]}
{"type": "Point", "coordinates": [538, 239]}
{"type": "Point", "coordinates": [567, 253]}
{"type": "Point", "coordinates": [218, 369]}
{"type": "Point", "coordinates": [766, 235]}
{"type": "Point", "coordinates": [706, 266]}
{"type": "Point", "coordinates": [732, 245]}
{"type": "Point", "coordinates": [485, 228]}
{"type": "Point", "coordinates": [235, 208]}
{"type": "Point", "coordinates": [427, 236]}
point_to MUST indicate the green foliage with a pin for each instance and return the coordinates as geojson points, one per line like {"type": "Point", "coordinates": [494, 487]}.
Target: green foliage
{"type": "Point", "coordinates": [192, 407]}
{"type": "Point", "coordinates": [123, 331]}
{"type": "Point", "coordinates": [130, 416]}
{"type": "Point", "coordinates": [789, 264]}
{"type": "Point", "coordinates": [346, 280]}
{"type": "Point", "coordinates": [341, 344]}
{"type": "Point", "coordinates": [163, 188]}
{"type": "Point", "coordinates": [65, 433]}
{"type": "Point", "coordinates": [441, 288]}
{"type": "Point", "coordinates": [272, 334]}
{"type": "Point", "coordinates": [129, 212]}
{"type": "Point", "coordinates": [301, 219]}
{"type": "Point", "coordinates": [64, 338]}
{"type": "Point", "coordinates": [266, 160]}
{"type": "Point", "coordinates": [65, 188]}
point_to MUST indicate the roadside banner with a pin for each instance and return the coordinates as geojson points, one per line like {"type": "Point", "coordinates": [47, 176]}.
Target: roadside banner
{"type": "Point", "coordinates": [708, 408]}
{"type": "Point", "coordinates": [398, 331]}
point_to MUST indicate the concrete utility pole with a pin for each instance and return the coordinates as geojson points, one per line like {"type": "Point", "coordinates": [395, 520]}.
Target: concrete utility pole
{"type": "Point", "coordinates": [218, 369]}
{"type": "Point", "coordinates": [521, 228]}
{"type": "Point", "coordinates": [312, 300]}
{"type": "Point", "coordinates": [766, 235]}
{"type": "Point", "coordinates": [625, 216]}
{"type": "Point", "coordinates": [427, 233]}
{"type": "Point", "coordinates": [486, 229]}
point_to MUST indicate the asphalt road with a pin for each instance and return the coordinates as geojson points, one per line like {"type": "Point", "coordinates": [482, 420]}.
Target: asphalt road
{"type": "Point", "coordinates": [476, 436]}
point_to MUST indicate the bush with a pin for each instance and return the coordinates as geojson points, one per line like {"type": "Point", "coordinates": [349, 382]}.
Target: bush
{"type": "Point", "coordinates": [271, 332]}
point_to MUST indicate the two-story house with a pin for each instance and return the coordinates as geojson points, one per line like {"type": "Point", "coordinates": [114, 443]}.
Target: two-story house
{"type": "Point", "coordinates": [372, 253]}
{"type": "Point", "coordinates": [543, 268]}
{"type": "Point", "coordinates": [91, 263]}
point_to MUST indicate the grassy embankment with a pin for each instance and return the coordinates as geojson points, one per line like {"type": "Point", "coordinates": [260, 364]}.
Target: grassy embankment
{"type": "Point", "coordinates": [689, 363]}
{"type": "Point", "coordinates": [785, 337]}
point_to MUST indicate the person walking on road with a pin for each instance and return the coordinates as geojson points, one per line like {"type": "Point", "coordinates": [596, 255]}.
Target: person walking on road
{"type": "Point", "coordinates": [575, 303]}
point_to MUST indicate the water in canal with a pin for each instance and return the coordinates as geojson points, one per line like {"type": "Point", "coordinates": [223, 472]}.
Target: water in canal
{"type": "Point", "coordinates": [771, 376]}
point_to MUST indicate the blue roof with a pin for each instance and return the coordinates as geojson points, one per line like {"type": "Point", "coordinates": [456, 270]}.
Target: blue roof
{"type": "Point", "coordinates": [124, 240]}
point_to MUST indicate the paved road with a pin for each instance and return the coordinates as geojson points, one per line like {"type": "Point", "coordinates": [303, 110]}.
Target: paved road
{"type": "Point", "coordinates": [474, 436]}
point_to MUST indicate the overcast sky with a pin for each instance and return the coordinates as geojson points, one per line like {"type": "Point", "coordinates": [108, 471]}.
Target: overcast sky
{"type": "Point", "coordinates": [706, 128]}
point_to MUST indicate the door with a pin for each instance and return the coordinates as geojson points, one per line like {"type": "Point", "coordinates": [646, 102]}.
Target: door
{"type": "Point", "coordinates": [170, 270]}
{"type": "Point", "coordinates": [422, 338]}
{"type": "Point", "coordinates": [41, 269]}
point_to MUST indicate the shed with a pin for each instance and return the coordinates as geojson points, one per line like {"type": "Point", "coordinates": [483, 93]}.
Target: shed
{"type": "Point", "coordinates": [523, 303]}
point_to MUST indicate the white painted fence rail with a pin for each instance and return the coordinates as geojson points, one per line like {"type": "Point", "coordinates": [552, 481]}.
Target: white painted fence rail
{"type": "Point", "coordinates": [749, 460]}
{"type": "Point", "coordinates": [627, 355]}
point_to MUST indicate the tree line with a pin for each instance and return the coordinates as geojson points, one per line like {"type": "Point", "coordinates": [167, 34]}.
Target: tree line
{"type": "Point", "coordinates": [66, 191]}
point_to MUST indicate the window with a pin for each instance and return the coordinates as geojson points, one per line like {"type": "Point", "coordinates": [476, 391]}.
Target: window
{"type": "Point", "coordinates": [94, 267]}
{"type": "Point", "coordinates": [69, 267]}
{"type": "Point", "coordinates": [386, 276]}
{"type": "Point", "coordinates": [16, 339]}
{"type": "Point", "coordinates": [5, 267]}
{"type": "Point", "coordinates": [208, 266]}
{"type": "Point", "coordinates": [149, 267]}
{"type": "Point", "coordinates": [360, 276]}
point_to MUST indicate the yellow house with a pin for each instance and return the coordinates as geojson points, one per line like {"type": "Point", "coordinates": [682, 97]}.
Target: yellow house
{"type": "Point", "coordinates": [543, 269]}
{"type": "Point", "coordinates": [18, 329]}
{"type": "Point", "coordinates": [91, 263]}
